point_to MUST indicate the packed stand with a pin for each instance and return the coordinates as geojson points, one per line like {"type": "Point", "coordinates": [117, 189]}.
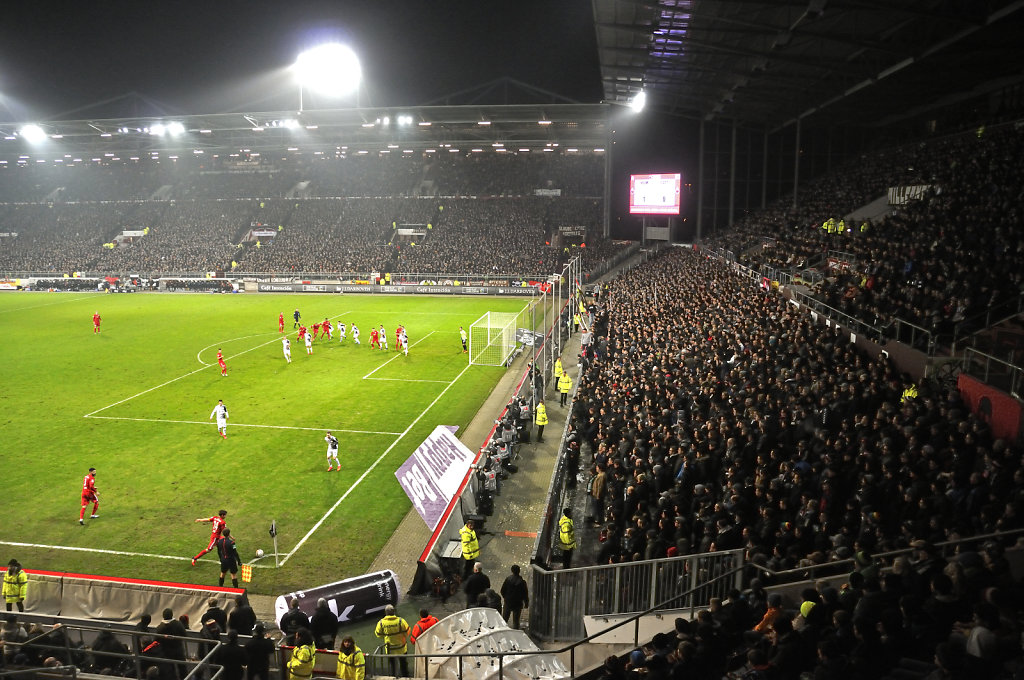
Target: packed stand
{"type": "Point", "coordinates": [934, 262]}
{"type": "Point", "coordinates": [715, 416]}
{"type": "Point", "coordinates": [518, 174]}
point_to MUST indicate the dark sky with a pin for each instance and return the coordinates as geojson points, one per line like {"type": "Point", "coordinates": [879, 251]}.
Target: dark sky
{"type": "Point", "coordinates": [58, 57]}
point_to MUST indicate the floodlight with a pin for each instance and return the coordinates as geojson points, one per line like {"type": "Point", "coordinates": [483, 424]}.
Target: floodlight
{"type": "Point", "coordinates": [638, 102]}
{"type": "Point", "coordinates": [157, 129]}
{"type": "Point", "coordinates": [32, 133]}
{"type": "Point", "coordinates": [331, 69]}
{"type": "Point", "coordinates": [175, 128]}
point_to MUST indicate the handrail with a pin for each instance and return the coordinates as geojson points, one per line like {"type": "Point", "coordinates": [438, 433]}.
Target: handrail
{"type": "Point", "coordinates": [960, 330]}
{"type": "Point", "coordinates": [634, 619]}
{"type": "Point", "coordinates": [1015, 373]}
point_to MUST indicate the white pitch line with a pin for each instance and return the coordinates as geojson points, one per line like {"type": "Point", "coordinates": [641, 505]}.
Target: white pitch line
{"type": "Point", "coordinates": [271, 427]}
{"type": "Point", "coordinates": [124, 553]}
{"type": "Point", "coordinates": [177, 379]}
{"type": "Point", "coordinates": [84, 296]}
{"type": "Point", "coordinates": [398, 355]}
{"type": "Point", "coordinates": [370, 469]}
{"type": "Point", "coordinates": [408, 380]}
{"type": "Point", "coordinates": [244, 337]}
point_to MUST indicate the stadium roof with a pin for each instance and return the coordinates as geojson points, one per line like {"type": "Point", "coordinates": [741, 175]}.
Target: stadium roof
{"type": "Point", "coordinates": [771, 62]}
{"type": "Point", "coordinates": [537, 127]}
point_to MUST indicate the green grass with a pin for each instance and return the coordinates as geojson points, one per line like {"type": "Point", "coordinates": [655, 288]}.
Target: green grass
{"type": "Point", "coordinates": [155, 362]}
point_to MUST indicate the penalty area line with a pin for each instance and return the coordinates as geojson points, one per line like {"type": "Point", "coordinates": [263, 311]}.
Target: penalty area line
{"type": "Point", "coordinates": [367, 376]}
{"type": "Point", "coordinates": [123, 553]}
{"type": "Point", "coordinates": [271, 427]}
{"type": "Point", "coordinates": [370, 469]}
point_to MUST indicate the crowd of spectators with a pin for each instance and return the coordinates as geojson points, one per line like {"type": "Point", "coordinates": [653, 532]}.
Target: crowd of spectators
{"type": "Point", "coordinates": [714, 415]}
{"type": "Point", "coordinates": [214, 201]}
{"type": "Point", "coordinates": [934, 262]}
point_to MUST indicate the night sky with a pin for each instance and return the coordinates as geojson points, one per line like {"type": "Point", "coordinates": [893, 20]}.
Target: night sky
{"type": "Point", "coordinates": [58, 58]}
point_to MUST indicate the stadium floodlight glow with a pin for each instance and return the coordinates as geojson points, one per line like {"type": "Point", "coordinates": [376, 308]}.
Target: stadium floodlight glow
{"type": "Point", "coordinates": [424, 123]}
{"type": "Point", "coordinates": [32, 133]}
{"type": "Point", "coordinates": [543, 122]}
{"type": "Point", "coordinates": [483, 122]}
{"type": "Point", "coordinates": [175, 128]}
{"type": "Point", "coordinates": [330, 69]}
{"type": "Point", "coordinates": [639, 101]}
{"type": "Point", "coordinates": [405, 119]}
{"type": "Point", "coordinates": [158, 129]}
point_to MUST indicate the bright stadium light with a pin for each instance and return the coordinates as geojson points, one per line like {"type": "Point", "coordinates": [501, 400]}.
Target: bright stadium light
{"type": "Point", "coordinates": [158, 129]}
{"type": "Point", "coordinates": [32, 133]}
{"type": "Point", "coordinates": [638, 102]}
{"type": "Point", "coordinates": [175, 128]}
{"type": "Point", "coordinates": [331, 69]}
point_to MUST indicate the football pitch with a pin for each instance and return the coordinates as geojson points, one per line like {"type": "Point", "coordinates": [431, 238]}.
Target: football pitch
{"type": "Point", "coordinates": [135, 401]}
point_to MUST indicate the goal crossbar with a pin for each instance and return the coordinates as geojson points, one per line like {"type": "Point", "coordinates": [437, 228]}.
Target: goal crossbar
{"type": "Point", "coordinates": [492, 338]}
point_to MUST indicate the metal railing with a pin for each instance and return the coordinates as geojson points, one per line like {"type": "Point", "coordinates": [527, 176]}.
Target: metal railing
{"type": "Point", "coordinates": [560, 599]}
{"type": "Point", "coordinates": [993, 371]}
{"type": "Point", "coordinates": [76, 647]}
{"type": "Point", "coordinates": [970, 327]}
{"type": "Point", "coordinates": [717, 585]}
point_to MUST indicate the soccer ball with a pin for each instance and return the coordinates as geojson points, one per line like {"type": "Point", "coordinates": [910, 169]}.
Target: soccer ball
{"type": "Point", "coordinates": [259, 552]}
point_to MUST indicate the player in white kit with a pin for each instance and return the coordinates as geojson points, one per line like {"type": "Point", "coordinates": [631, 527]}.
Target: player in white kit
{"type": "Point", "coordinates": [286, 346]}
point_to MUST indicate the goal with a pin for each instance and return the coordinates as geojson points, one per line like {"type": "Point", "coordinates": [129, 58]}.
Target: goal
{"type": "Point", "coordinates": [492, 338]}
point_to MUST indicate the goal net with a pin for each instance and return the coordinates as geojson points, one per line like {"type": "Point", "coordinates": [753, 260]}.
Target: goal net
{"type": "Point", "coordinates": [492, 338]}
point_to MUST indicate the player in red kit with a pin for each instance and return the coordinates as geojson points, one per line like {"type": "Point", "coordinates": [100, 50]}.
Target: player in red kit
{"type": "Point", "coordinates": [96, 322]}
{"type": "Point", "coordinates": [328, 329]}
{"type": "Point", "coordinates": [89, 495]}
{"type": "Point", "coordinates": [218, 523]}
{"type": "Point", "coordinates": [316, 330]}
{"type": "Point", "coordinates": [398, 337]}
{"type": "Point", "coordinates": [373, 338]}
{"type": "Point", "coordinates": [302, 332]}
{"type": "Point", "coordinates": [220, 362]}
{"type": "Point", "coordinates": [280, 323]}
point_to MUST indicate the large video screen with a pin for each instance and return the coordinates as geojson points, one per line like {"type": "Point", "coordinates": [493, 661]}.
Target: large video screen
{"type": "Point", "coordinates": [654, 194]}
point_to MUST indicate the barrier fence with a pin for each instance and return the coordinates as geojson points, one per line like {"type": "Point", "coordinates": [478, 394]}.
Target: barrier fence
{"type": "Point", "coordinates": [560, 599]}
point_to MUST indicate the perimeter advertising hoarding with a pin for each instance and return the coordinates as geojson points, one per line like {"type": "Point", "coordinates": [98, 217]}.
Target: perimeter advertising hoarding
{"type": "Point", "coordinates": [654, 194]}
{"type": "Point", "coordinates": [263, 287]}
{"type": "Point", "coordinates": [432, 475]}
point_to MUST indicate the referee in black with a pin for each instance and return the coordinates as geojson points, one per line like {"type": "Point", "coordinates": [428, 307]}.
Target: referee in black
{"type": "Point", "coordinates": [229, 559]}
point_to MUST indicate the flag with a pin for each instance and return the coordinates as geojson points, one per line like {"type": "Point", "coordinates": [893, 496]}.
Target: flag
{"type": "Point", "coordinates": [246, 573]}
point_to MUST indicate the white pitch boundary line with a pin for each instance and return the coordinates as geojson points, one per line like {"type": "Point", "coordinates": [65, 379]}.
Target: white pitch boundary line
{"type": "Point", "coordinates": [272, 427]}
{"type": "Point", "coordinates": [370, 469]}
{"type": "Point", "coordinates": [83, 296]}
{"type": "Point", "coordinates": [163, 384]}
{"type": "Point", "coordinates": [124, 553]}
{"type": "Point", "coordinates": [367, 376]}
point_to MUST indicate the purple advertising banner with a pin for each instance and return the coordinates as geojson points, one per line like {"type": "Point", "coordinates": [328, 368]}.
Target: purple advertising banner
{"type": "Point", "coordinates": [434, 472]}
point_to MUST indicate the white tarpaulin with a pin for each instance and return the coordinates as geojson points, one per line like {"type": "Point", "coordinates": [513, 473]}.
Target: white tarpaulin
{"type": "Point", "coordinates": [481, 631]}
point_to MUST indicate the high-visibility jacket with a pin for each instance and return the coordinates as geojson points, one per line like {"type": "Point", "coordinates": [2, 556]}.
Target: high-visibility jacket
{"type": "Point", "coordinates": [564, 383]}
{"type": "Point", "coordinates": [300, 666]}
{"type": "Point", "coordinates": [351, 666]}
{"type": "Point", "coordinates": [15, 584]}
{"type": "Point", "coordinates": [542, 414]}
{"type": "Point", "coordinates": [842, 227]}
{"type": "Point", "coordinates": [421, 626]}
{"type": "Point", "coordinates": [566, 533]}
{"type": "Point", "coordinates": [576, 319]}
{"type": "Point", "coordinates": [909, 393]}
{"type": "Point", "coordinates": [394, 630]}
{"type": "Point", "coordinates": [558, 368]}
{"type": "Point", "coordinates": [470, 544]}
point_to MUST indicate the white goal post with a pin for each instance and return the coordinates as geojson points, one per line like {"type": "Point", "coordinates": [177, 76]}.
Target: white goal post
{"type": "Point", "coordinates": [492, 338]}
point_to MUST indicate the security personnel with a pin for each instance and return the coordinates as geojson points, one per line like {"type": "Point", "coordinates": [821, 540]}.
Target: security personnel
{"type": "Point", "coordinates": [421, 626]}
{"type": "Point", "coordinates": [470, 548]}
{"type": "Point", "coordinates": [394, 630]}
{"type": "Point", "coordinates": [15, 585]}
{"type": "Point", "coordinates": [541, 418]}
{"type": "Point", "coordinates": [575, 322]}
{"type": "Point", "coordinates": [351, 661]}
{"type": "Point", "coordinates": [841, 229]}
{"type": "Point", "coordinates": [300, 666]}
{"type": "Point", "coordinates": [564, 386]}
{"type": "Point", "coordinates": [909, 393]}
{"type": "Point", "coordinates": [566, 537]}
{"type": "Point", "coordinates": [558, 369]}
